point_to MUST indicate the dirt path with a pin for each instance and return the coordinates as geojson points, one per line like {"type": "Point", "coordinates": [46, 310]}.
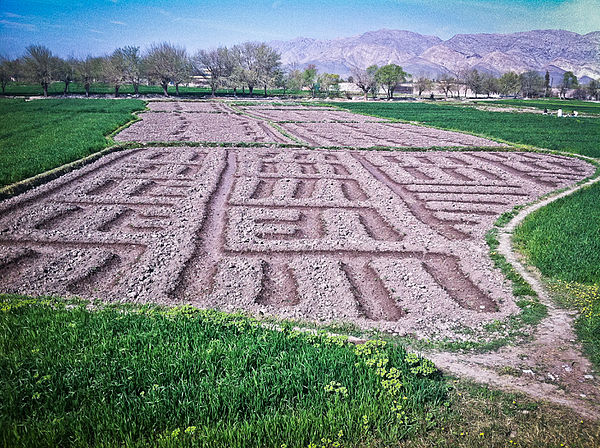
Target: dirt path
{"type": "Point", "coordinates": [551, 367]}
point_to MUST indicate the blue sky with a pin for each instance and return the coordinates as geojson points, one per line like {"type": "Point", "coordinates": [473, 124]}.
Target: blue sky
{"type": "Point", "coordinates": [79, 28]}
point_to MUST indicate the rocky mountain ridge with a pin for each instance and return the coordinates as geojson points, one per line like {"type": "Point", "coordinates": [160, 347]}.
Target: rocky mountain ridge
{"type": "Point", "coordinates": [554, 50]}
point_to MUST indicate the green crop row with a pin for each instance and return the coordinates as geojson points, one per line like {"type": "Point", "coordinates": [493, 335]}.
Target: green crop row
{"type": "Point", "coordinates": [75, 375]}
{"type": "Point", "coordinates": [42, 135]}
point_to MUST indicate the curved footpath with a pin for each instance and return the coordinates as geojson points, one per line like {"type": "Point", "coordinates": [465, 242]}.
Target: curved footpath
{"type": "Point", "coordinates": [551, 367]}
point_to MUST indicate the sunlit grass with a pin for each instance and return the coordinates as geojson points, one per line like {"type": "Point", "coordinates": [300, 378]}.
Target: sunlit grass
{"type": "Point", "coordinates": [37, 136]}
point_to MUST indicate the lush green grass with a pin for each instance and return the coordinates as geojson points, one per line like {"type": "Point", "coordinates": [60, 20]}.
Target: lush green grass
{"type": "Point", "coordinates": [116, 376]}
{"type": "Point", "coordinates": [552, 104]}
{"type": "Point", "coordinates": [57, 88]}
{"type": "Point", "coordinates": [577, 135]}
{"type": "Point", "coordinates": [40, 135]}
{"type": "Point", "coordinates": [563, 241]}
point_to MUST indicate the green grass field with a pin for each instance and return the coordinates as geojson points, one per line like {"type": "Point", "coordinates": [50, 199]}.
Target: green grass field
{"type": "Point", "coordinates": [121, 376]}
{"type": "Point", "coordinates": [577, 135]}
{"type": "Point", "coordinates": [41, 135]}
{"type": "Point", "coordinates": [57, 89]}
{"type": "Point", "coordinates": [552, 104]}
{"type": "Point", "coordinates": [563, 241]}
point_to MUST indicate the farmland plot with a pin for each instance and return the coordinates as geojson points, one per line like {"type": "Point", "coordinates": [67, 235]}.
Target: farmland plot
{"type": "Point", "coordinates": [392, 240]}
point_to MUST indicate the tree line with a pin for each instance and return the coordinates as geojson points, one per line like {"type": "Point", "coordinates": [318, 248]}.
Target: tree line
{"type": "Point", "coordinates": [252, 65]}
{"type": "Point", "coordinates": [529, 84]}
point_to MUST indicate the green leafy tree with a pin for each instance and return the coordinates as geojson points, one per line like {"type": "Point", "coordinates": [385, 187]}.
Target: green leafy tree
{"type": "Point", "coordinates": [489, 84]}
{"type": "Point", "coordinates": [390, 76]}
{"type": "Point", "coordinates": [474, 81]}
{"type": "Point", "coordinates": [547, 87]}
{"type": "Point", "coordinates": [532, 84]}
{"type": "Point", "coordinates": [569, 81]}
{"type": "Point", "coordinates": [593, 89]}
{"type": "Point", "coordinates": [309, 79]}
{"type": "Point", "coordinates": [509, 84]}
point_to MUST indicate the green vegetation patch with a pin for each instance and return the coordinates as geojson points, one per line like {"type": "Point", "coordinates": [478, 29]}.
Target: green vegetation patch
{"type": "Point", "coordinates": [563, 241]}
{"type": "Point", "coordinates": [76, 375]}
{"type": "Point", "coordinates": [553, 104]}
{"type": "Point", "coordinates": [44, 134]}
{"type": "Point", "coordinates": [576, 135]}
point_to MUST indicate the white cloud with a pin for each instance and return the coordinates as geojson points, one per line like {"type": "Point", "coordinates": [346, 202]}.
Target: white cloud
{"type": "Point", "coordinates": [91, 30]}
{"type": "Point", "coordinates": [12, 15]}
{"type": "Point", "coordinates": [116, 22]}
{"type": "Point", "coordinates": [17, 25]}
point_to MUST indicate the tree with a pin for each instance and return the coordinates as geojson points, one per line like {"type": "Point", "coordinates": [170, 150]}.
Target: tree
{"type": "Point", "coordinates": [462, 79]}
{"type": "Point", "coordinates": [509, 84]}
{"type": "Point", "coordinates": [489, 84]}
{"type": "Point", "coordinates": [267, 62]}
{"type": "Point", "coordinates": [390, 76]}
{"type": "Point", "coordinates": [569, 81]}
{"type": "Point", "coordinates": [329, 83]}
{"type": "Point", "coordinates": [474, 82]}
{"type": "Point", "coordinates": [87, 71]}
{"type": "Point", "coordinates": [547, 84]}
{"type": "Point", "coordinates": [364, 78]}
{"type": "Point", "coordinates": [219, 63]}
{"type": "Point", "coordinates": [113, 69]}
{"type": "Point", "coordinates": [40, 65]}
{"type": "Point", "coordinates": [133, 66]}
{"type": "Point", "coordinates": [249, 65]}
{"type": "Point", "coordinates": [447, 84]}
{"type": "Point", "coordinates": [5, 70]}
{"type": "Point", "coordinates": [294, 76]}
{"type": "Point", "coordinates": [166, 63]}
{"type": "Point", "coordinates": [66, 72]}
{"type": "Point", "coordinates": [532, 84]}
{"type": "Point", "coordinates": [422, 83]}
{"type": "Point", "coordinates": [309, 79]}
{"type": "Point", "coordinates": [593, 89]}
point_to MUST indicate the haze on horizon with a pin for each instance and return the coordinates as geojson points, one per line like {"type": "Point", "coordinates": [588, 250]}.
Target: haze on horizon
{"type": "Point", "coordinates": [79, 28]}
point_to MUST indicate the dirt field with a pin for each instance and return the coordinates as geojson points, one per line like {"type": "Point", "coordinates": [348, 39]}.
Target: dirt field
{"type": "Point", "coordinates": [319, 126]}
{"type": "Point", "coordinates": [386, 239]}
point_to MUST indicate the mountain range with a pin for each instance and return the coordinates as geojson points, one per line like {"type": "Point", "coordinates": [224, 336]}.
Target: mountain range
{"type": "Point", "coordinates": [420, 55]}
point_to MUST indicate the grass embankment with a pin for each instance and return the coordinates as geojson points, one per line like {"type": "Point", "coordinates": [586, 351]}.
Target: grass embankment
{"type": "Point", "coordinates": [124, 376]}
{"type": "Point", "coordinates": [577, 135]}
{"type": "Point", "coordinates": [42, 135]}
{"type": "Point", "coordinates": [563, 241]}
{"type": "Point", "coordinates": [57, 89]}
{"type": "Point", "coordinates": [552, 104]}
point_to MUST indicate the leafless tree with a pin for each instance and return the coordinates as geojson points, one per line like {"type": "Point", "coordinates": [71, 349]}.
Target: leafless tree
{"type": "Point", "coordinates": [66, 72]}
{"type": "Point", "coordinates": [364, 78]}
{"type": "Point", "coordinates": [447, 84]}
{"type": "Point", "coordinates": [87, 71]}
{"type": "Point", "coordinates": [133, 66]}
{"type": "Point", "coordinates": [40, 65]}
{"type": "Point", "coordinates": [166, 63]}
{"type": "Point", "coordinates": [422, 83]}
{"type": "Point", "coordinates": [219, 63]}
{"type": "Point", "coordinates": [5, 77]}
{"type": "Point", "coordinates": [113, 69]}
